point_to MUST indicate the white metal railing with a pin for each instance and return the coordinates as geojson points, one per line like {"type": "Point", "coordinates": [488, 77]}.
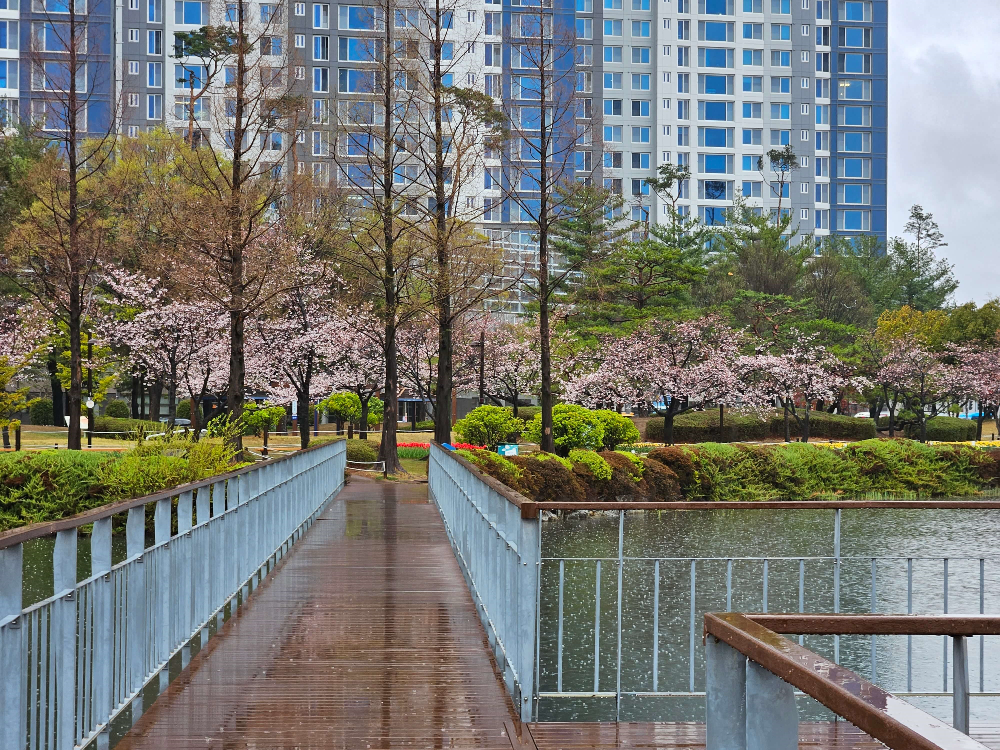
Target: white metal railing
{"type": "Point", "coordinates": [71, 663]}
{"type": "Point", "coordinates": [499, 552]}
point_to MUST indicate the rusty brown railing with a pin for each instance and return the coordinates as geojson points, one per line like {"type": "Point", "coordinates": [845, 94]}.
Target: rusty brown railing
{"type": "Point", "coordinates": [752, 673]}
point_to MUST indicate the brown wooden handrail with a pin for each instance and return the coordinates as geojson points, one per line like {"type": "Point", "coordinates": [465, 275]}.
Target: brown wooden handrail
{"type": "Point", "coordinates": [990, 504]}
{"type": "Point", "coordinates": [889, 719]}
{"type": "Point", "coordinates": [840, 624]}
{"type": "Point", "coordinates": [46, 528]}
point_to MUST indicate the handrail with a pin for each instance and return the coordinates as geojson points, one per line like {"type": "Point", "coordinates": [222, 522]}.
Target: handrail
{"type": "Point", "coordinates": [529, 508]}
{"type": "Point", "coordinates": [990, 504]}
{"type": "Point", "coordinates": [751, 671]}
{"type": "Point", "coordinates": [46, 528]}
{"type": "Point", "coordinates": [839, 624]}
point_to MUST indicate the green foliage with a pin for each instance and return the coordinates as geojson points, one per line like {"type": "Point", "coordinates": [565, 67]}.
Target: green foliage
{"type": "Point", "coordinates": [126, 428]}
{"type": "Point", "coordinates": [946, 429]}
{"type": "Point", "coordinates": [118, 409]}
{"type": "Point", "coordinates": [637, 463]}
{"type": "Point", "coordinates": [543, 456]}
{"type": "Point", "coordinates": [48, 485]}
{"type": "Point", "coordinates": [572, 427]}
{"type": "Point", "coordinates": [618, 429]}
{"type": "Point", "coordinates": [495, 465]}
{"type": "Point", "coordinates": [256, 417]}
{"type": "Point", "coordinates": [545, 480]}
{"type": "Point", "coordinates": [527, 413]}
{"type": "Point", "coordinates": [362, 451]}
{"type": "Point", "coordinates": [418, 454]}
{"type": "Point", "coordinates": [679, 462]}
{"type": "Point", "coordinates": [599, 468]}
{"type": "Point", "coordinates": [184, 409]}
{"type": "Point", "coordinates": [703, 427]}
{"type": "Point", "coordinates": [489, 426]}
{"type": "Point", "coordinates": [427, 424]}
{"type": "Point", "coordinates": [342, 407]}
{"type": "Point", "coordinates": [375, 411]}
{"type": "Point", "coordinates": [41, 412]}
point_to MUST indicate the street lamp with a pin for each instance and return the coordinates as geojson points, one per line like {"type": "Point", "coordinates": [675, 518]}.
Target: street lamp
{"type": "Point", "coordinates": [90, 422]}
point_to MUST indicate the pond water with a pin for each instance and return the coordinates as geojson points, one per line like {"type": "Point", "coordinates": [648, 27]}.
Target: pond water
{"type": "Point", "coordinates": [799, 548]}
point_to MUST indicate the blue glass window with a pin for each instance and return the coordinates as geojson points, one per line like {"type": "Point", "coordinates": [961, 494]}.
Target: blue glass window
{"type": "Point", "coordinates": [188, 12]}
{"type": "Point", "coordinates": [716, 58]}
{"type": "Point", "coordinates": [715, 111]}
{"type": "Point", "coordinates": [716, 85]}
{"type": "Point", "coordinates": [715, 163]}
{"type": "Point", "coordinates": [715, 190]}
{"type": "Point", "coordinates": [716, 7]}
{"type": "Point", "coordinates": [716, 31]}
{"type": "Point", "coordinates": [715, 137]}
{"type": "Point", "coordinates": [749, 164]}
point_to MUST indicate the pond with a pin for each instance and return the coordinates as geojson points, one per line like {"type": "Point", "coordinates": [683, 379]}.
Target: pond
{"type": "Point", "coordinates": [739, 557]}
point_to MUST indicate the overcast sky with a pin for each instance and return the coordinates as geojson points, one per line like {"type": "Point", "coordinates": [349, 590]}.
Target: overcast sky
{"type": "Point", "coordinates": [944, 130]}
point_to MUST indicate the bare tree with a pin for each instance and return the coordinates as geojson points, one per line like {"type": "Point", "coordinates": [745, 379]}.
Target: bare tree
{"type": "Point", "coordinates": [458, 124]}
{"type": "Point", "coordinates": [59, 242]}
{"type": "Point", "coordinates": [540, 162]}
{"type": "Point", "coordinates": [378, 130]}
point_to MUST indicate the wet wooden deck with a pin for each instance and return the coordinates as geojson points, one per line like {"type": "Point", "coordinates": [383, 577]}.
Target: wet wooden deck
{"type": "Point", "coordinates": [366, 638]}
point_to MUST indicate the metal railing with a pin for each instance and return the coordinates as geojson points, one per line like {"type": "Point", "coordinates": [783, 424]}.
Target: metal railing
{"type": "Point", "coordinates": [71, 663]}
{"type": "Point", "coordinates": [752, 673]}
{"type": "Point", "coordinates": [496, 538]}
{"type": "Point", "coordinates": [621, 600]}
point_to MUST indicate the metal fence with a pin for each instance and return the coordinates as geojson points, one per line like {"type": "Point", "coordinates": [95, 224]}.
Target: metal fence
{"type": "Point", "coordinates": [631, 627]}
{"type": "Point", "coordinates": [499, 552]}
{"type": "Point", "coordinates": [71, 663]}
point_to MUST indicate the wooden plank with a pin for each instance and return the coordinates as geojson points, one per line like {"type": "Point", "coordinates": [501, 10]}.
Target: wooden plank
{"type": "Point", "coordinates": [519, 735]}
{"type": "Point", "coordinates": [364, 638]}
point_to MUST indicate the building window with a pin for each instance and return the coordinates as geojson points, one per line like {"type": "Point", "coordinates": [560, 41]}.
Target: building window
{"type": "Point", "coordinates": [154, 106]}
{"type": "Point", "coordinates": [133, 131]}
{"type": "Point", "coordinates": [154, 75]}
{"type": "Point", "coordinates": [133, 36]}
{"type": "Point", "coordinates": [133, 69]}
{"type": "Point", "coordinates": [192, 13]}
{"type": "Point", "coordinates": [154, 42]}
{"type": "Point", "coordinates": [300, 9]}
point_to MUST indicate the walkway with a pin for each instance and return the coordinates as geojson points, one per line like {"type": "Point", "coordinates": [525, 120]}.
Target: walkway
{"type": "Point", "coordinates": [366, 637]}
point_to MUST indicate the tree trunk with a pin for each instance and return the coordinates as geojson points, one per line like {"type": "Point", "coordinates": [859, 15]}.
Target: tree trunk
{"type": "Point", "coordinates": [722, 423]}
{"type": "Point", "coordinates": [364, 419]}
{"type": "Point", "coordinates": [340, 425]}
{"type": "Point", "coordinates": [58, 406]}
{"type": "Point", "coordinates": [788, 427]}
{"type": "Point", "coordinates": [350, 430]}
{"type": "Point", "coordinates": [155, 396]}
{"type": "Point", "coordinates": [668, 429]}
{"type": "Point", "coordinates": [302, 406]}
{"type": "Point", "coordinates": [979, 422]}
{"type": "Point", "coordinates": [172, 400]}
{"type": "Point", "coordinates": [5, 430]}
{"type": "Point", "coordinates": [805, 426]}
{"type": "Point", "coordinates": [134, 396]}
{"type": "Point", "coordinates": [196, 417]}
{"type": "Point", "coordinates": [74, 439]}
{"type": "Point", "coordinates": [388, 449]}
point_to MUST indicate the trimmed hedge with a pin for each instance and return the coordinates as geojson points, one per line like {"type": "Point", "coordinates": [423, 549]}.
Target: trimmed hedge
{"type": "Point", "coordinates": [703, 427]}
{"type": "Point", "coordinates": [41, 412]}
{"type": "Point", "coordinates": [362, 451]}
{"type": "Point", "coordinates": [527, 413]}
{"type": "Point", "coordinates": [118, 409]}
{"type": "Point", "coordinates": [722, 472]}
{"type": "Point", "coordinates": [126, 428]}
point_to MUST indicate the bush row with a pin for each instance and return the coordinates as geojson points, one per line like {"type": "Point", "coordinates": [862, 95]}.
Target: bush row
{"type": "Point", "coordinates": [943, 429]}
{"type": "Point", "coordinates": [703, 427]}
{"type": "Point", "coordinates": [48, 485]}
{"type": "Point", "coordinates": [722, 473]}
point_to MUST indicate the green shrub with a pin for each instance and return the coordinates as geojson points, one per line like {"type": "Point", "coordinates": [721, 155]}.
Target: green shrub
{"type": "Point", "coordinates": [595, 463]}
{"type": "Point", "coordinates": [543, 456]}
{"type": "Point", "coordinates": [495, 466]}
{"type": "Point", "coordinates": [545, 480]}
{"type": "Point", "coordinates": [376, 408]}
{"type": "Point", "coordinates": [945, 430]}
{"type": "Point", "coordinates": [636, 463]}
{"type": "Point", "coordinates": [126, 428]}
{"type": "Point", "coordinates": [48, 485]}
{"type": "Point", "coordinates": [344, 407]}
{"type": "Point", "coordinates": [618, 429]}
{"type": "Point", "coordinates": [256, 417]}
{"type": "Point", "coordinates": [527, 413]}
{"type": "Point", "coordinates": [41, 412]}
{"type": "Point", "coordinates": [136, 475]}
{"type": "Point", "coordinates": [427, 424]}
{"type": "Point", "coordinates": [118, 409]}
{"type": "Point", "coordinates": [362, 451]}
{"type": "Point", "coordinates": [489, 426]}
{"type": "Point", "coordinates": [183, 409]}
{"type": "Point", "coordinates": [679, 462]}
{"type": "Point", "coordinates": [659, 482]}
{"type": "Point", "coordinates": [703, 427]}
{"type": "Point", "coordinates": [573, 427]}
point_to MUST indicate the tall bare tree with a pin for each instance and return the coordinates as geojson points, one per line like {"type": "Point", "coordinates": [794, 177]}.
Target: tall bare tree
{"type": "Point", "coordinates": [540, 163]}
{"type": "Point", "coordinates": [58, 243]}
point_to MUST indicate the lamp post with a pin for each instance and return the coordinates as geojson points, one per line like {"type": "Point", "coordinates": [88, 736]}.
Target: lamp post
{"type": "Point", "coordinates": [481, 345]}
{"type": "Point", "coordinates": [90, 391]}
{"type": "Point", "coordinates": [90, 422]}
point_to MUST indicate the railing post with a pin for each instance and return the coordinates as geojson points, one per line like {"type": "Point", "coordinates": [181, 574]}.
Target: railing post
{"type": "Point", "coordinates": [960, 683]}
{"type": "Point", "coordinates": [725, 696]}
{"type": "Point", "coordinates": [12, 701]}
{"type": "Point", "coordinates": [138, 629]}
{"type": "Point", "coordinates": [64, 637]}
{"type": "Point", "coordinates": [102, 630]}
{"type": "Point", "coordinates": [772, 718]}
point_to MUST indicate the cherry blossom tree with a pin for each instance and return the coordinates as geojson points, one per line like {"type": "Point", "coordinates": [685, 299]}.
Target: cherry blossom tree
{"type": "Point", "coordinates": [806, 371]}
{"type": "Point", "coordinates": [296, 347]}
{"type": "Point", "coordinates": [359, 365]}
{"type": "Point", "coordinates": [670, 368]}
{"type": "Point", "coordinates": [511, 364]}
{"type": "Point", "coordinates": [917, 375]}
{"type": "Point", "coordinates": [972, 376]}
{"type": "Point", "coordinates": [22, 330]}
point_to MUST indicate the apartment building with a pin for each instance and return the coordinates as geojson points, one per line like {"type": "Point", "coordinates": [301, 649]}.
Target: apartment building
{"type": "Point", "coordinates": [710, 84]}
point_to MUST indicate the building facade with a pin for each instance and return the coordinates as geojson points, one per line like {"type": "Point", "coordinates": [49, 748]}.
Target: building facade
{"type": "Point", "coordinates": [710, 84]}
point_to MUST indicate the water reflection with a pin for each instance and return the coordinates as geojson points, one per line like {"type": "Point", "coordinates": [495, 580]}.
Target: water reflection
{"type": "Point", "coordinates": [806, 580]}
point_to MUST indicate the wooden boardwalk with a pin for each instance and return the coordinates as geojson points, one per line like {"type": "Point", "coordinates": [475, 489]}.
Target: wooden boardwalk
{"type": "Point", "coordinates": [366, 638]}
